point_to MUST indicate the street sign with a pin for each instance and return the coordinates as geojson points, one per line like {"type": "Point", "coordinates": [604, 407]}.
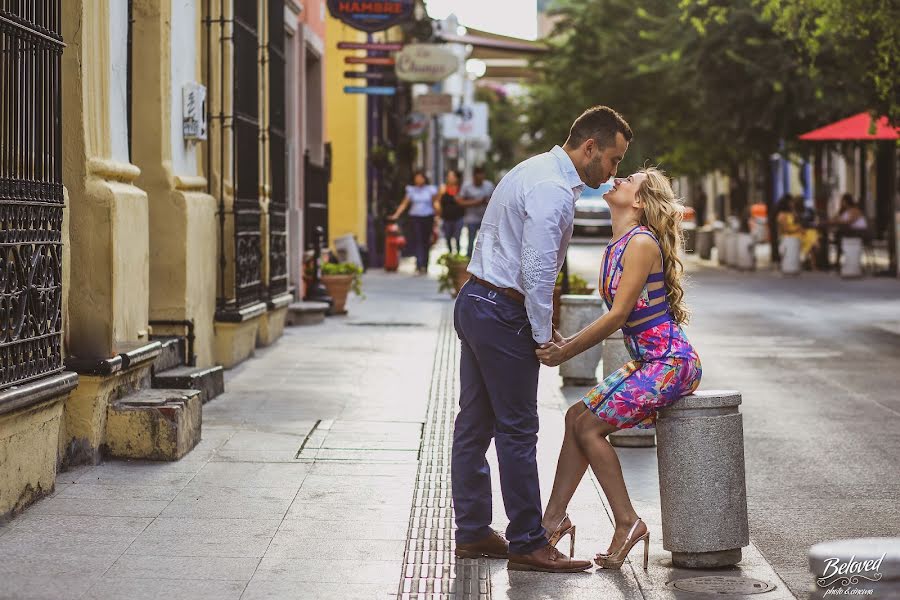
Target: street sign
{"type": "Point", "coordinates": [372, 75]}
{"type": "Point", "coordinates": [381, 46]}
{"type": "Point", "coordinates": [427, 63]}
{"type": "Point", "coordinates": [371, 16]}
{"type": "Point", "coordinates": [433, 104]}
{"type": "Point", "coordinates": [467, 123]}
{"type": "Point", "coordinates": [369, 60]}
{"type": "Point", "coordinates": [415, 124]}
{"type": "Point", "coordinates": [372, 90]}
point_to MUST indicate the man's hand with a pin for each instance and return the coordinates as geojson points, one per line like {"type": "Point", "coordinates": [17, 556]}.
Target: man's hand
{"type": "Point", "coordinates": [552, 354]}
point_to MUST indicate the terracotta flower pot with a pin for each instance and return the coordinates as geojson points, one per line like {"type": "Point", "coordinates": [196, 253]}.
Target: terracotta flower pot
{"type": "Point", "coordinates": [459, 275]}
{"type": "Point", "coordinates": [338, 287]}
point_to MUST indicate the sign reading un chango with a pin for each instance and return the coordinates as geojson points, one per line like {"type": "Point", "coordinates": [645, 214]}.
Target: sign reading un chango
{"type": "Point", "coordinates": [374, 15]}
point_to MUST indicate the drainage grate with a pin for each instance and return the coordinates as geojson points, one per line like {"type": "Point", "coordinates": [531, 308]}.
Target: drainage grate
{"type": "Point", "coordinates": [430, 570]}
{"type": "Point", "coordinates": [721, 584]}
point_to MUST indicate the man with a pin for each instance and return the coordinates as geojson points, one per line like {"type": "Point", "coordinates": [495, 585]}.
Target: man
{"type": "Point", "coordinates": [475, 196]}
{"type": "Point", "coordinates": [502, 315]}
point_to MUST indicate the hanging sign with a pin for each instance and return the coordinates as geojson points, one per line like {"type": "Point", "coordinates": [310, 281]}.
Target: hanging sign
{"type": "Point", "coordinates": [369, 60]}
{"type": "Point", "coordinates": [372, 90]}
{"type": "Point", "coordinates": [415, 124]}
{"type": "Point", "coordinates": [382, 46]}
{"type": "Point", "coordinates": [376, 15]}
{"type": "Point", "coordinates": [371, 75]}
{"type": "Point", "coordinates": [433, 104]}
{"type": "Point", "coordinates": [427, 63]}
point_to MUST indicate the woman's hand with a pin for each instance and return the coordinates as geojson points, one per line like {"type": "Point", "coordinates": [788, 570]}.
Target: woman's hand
{"type": "Point", "coordinates": [552, 354]}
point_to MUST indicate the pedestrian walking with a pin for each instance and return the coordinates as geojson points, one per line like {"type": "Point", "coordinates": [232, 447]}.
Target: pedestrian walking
{"type": "Point", "coordinates": [451, 211]}
{"type": "Point", "coordinates": [475, 196]}
{"type": "Point", "coordinates": [502, 315]}
{"type": "Point", "coordinates": [641, 284]}
{"type": "Point", "coordinates": [422, 200]}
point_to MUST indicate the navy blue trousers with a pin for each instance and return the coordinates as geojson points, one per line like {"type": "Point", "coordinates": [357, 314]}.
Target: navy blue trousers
{"type": "Point", "coordinates": [421, 228]}
{"type": "Point", "coordinates": [498, 399]}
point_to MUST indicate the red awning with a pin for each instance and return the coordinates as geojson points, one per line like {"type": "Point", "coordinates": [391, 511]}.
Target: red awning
{"type": "Point", "coordinates": [854, 128]}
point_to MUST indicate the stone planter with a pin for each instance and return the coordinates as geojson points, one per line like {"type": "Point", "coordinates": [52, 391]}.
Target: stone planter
{"type": "Point", "coordinates": [577, 312]}
{"type": "Point", "coordinates": [557, 294]}
{"type": "Point", "coordinates": [338, 287]}
{"type": "Point", "coordinates": [459, 276]}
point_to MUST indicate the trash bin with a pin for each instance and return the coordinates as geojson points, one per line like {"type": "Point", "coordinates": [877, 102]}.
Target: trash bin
{"type": "Point", "coordinates": [702, 487]}
{"type": "Point", "coordinates": [746, 252]}
{"type": "Point", "coordinates": [704, 242]}
{"type": "Point", "coordinates": [731, 248]}
{"type": "Point", "coordinates": [689, 231]}
{"type": "Point", "coordinates": [719, 237]}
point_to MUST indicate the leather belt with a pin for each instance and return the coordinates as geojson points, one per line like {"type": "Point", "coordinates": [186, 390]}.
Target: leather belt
{"type": "Point", "coordinates": [508, 292]}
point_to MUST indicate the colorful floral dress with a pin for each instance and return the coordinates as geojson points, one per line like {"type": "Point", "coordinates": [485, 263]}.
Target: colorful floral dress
{"type": "Point", "coordinates": [664, 365]}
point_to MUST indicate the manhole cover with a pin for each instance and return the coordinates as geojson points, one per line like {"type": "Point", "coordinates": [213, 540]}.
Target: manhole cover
{"type": "Point", "coordinates": [385, 324]}
{"type": "Point", "coordinates": [720, 584]}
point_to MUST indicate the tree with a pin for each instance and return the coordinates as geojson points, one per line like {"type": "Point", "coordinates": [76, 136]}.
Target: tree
{"type": "Point", "coordinates": [860, 36]}
{"type": "Point", "coordinates": [505, 128]}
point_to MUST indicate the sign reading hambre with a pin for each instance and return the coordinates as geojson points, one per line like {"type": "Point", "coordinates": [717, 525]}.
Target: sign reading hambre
{"type": "Point", "coordinates": [427, 63]}
{"type": "Point", "coordinates": [376, 15]}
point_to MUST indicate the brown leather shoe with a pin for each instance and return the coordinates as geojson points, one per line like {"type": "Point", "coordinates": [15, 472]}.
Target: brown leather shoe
{"type": "Point", "coordinates": [547, 560]}
{"type": "Point", "coordinates": [494, 545]}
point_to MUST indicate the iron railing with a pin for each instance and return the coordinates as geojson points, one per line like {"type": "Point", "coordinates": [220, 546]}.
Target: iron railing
{"type": "Point", "coordinates": [31, 191]}
{"type": "Point", "coordinates": [278, 269]}
{"type": "Point", "coordinates": [315, 197]}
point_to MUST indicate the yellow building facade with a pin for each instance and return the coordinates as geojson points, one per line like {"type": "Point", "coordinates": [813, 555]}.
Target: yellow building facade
{"type": "Point", "coordinates": [145, 221]}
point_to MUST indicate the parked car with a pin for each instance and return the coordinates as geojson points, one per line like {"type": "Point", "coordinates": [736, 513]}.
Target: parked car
{"type": "Point", "coordinates": [592, 212]}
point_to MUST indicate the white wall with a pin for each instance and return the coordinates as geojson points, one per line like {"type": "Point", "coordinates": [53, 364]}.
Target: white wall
{"type": "Point", "coordinates": [184, 60]}
{"type": "Point", "coordinates": [118, 80]}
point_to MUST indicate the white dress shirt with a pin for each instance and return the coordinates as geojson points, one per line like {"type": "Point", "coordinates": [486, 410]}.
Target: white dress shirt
{"type": "Point", "coordinates": [525, 233]}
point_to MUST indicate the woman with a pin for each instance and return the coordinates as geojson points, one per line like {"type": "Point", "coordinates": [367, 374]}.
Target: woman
{"type": "Point", "coordinates": [422, 198]}
{"type": "Point", "coordinates": [452, 211]}
{"type": "Point", "coordinates": [641, 284]}
{"type": "Point", "coordinates": [849, 223]}
{"type": "Point", "coordinates": [789, 225]}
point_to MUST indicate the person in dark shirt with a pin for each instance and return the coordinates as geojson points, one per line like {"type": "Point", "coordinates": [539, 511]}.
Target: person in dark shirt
{"type": "Point", "coordinates": [452, 211]}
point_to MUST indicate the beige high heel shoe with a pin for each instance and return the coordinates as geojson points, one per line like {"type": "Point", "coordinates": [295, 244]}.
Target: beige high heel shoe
{"type": "Point", "coordinates": [560, 531]}
{"type": "Point", "coordinates": [617, 558]}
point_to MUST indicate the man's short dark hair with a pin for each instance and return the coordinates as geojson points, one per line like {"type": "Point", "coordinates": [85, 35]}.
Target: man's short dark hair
{"type": "Point", "coordinates": [478, 169]}
{"type": "Point", "coordinates": [600, 123]}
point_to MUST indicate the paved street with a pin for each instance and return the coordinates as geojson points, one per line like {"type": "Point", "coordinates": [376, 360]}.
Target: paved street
{"type": "Point", "coordinates": [816, 358]}
{"type": "Point", "coordinates": [324, 470]}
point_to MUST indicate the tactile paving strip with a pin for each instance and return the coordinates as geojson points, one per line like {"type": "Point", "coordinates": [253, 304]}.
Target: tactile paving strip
{"type": "Point", "coordinates": [430, 570]}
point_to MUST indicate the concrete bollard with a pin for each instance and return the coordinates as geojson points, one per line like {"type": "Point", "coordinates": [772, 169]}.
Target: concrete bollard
{"type": "Point", "coordinates": [575, 313]}
{"type": "Point", "coordinates": [841, 567]}
{"type": "Point", "coordinates": [690, 238]}
{"type": "Point", "coordinates": [615, 355]}
{"type": "Point", "coordinates": [731, 252]}
{"type": "Point", "coordinates": [789, 246]}
{"type": "Point", "coordinates": [702, 488]}
{"type": "Point", "coordinates": [719, 237]}
{"type": "Point", "coordinates": [746, 252]}
{"type": "Point", "coordinates": [851, 249]}
{"type": "Point", "coordinates": [704, 242]}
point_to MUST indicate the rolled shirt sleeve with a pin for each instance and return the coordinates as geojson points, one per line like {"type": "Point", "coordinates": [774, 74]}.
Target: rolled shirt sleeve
{"type": "Point", "coordinates": [549, 212]}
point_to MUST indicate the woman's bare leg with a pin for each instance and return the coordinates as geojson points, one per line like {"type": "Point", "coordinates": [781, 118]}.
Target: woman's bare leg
{"type": "Point", "coordinates": [591, 433]}
{"type": "Point", "coordinates": [570, 469]}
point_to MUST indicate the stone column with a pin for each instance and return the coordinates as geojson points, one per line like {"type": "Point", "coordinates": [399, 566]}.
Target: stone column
{"type": "Point", "coordinates": [615, 355]}
{"type": "Point", "coordinates": [868, 564]}
{"type": "Point", "coordinates": [701, 480]}
{"type": "Point", "coordinates": [576, 313]}
{"type": "Point", "coordinates": [166, 55]}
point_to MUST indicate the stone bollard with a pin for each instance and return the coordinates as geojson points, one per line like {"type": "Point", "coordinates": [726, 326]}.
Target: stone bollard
{"type": "Point", "coordinates": [731, 251]}
{"type": "Point", "coordinates": [575, 313]}
{"type": "Point", "coordinates": [719, 237]}
{"type": "Point", "coordinates": [615, 355]}
{"type": "Point", "coordinates": [851, 249]}
{"type": "Point", "coordinates": [789, 246]}
{"type": "Point", "coordinates": [869, 564]}
{"type": "Point", "coordinates": [704, 242]}
{"type": "Point", "coordinates": [702, 489]}
{"type": "Point", "coordinates": [746, 252]}
{"type": "Point", "coordinates": [690, 238]}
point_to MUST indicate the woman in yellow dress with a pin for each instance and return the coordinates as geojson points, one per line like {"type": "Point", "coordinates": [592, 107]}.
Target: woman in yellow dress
{"type": "Point", "coordinates": [789, 226]}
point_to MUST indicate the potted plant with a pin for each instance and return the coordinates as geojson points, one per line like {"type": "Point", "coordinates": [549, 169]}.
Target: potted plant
{"type": "Point", "coordinates": [339, 279]}
{"type": "Point", "coordinates": [455, 272]}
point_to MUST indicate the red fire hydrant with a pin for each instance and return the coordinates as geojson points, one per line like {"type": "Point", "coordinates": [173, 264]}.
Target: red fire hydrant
{"type": "Point", "coordinates": [393, 243]}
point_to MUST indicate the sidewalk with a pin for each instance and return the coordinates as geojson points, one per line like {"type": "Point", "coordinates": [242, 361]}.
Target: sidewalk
{"type": "Point", "coordinates": [324, 474]}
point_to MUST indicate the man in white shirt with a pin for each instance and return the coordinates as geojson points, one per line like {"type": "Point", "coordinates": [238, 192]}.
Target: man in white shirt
{"type": "Point", "coordinates": [502, 315]}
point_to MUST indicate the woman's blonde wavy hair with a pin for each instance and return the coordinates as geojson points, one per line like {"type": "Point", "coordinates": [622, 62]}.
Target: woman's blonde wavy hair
{"type": "Point", "coordinates": [662, 214]}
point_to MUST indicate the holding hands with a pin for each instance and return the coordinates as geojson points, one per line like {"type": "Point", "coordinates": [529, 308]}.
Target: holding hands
{"type": "Point", "coordinates": [554, 352]}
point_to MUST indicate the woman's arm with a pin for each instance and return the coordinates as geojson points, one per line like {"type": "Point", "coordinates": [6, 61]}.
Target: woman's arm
{"type": "Point", "coordinates": [400, 208]}
{"type": "Point", "coordinates": [436, 201]}
{"type": "Point", "coordinates": [639, 256]}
